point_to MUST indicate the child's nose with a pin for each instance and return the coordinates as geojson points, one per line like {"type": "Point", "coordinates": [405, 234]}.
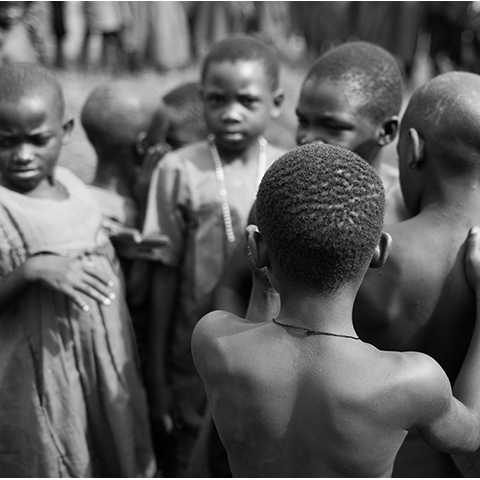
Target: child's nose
{"type": "Point", "coordinates": [23, 154]}
{"type": "Point", "coordinates": [232, 113]}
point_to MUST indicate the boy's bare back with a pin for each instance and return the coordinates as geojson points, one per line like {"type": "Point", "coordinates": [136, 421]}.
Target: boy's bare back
{"type": "Point", "coordinates": [420, 299]}
{"type": "Point", "coordinates": [302, 394]}
{"type": "Point", "coordinates": [307, 405]}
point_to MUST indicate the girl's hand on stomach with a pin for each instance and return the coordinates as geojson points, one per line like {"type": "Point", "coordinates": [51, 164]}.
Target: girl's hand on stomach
{"type": "Point", "coordinates": [72, 276]}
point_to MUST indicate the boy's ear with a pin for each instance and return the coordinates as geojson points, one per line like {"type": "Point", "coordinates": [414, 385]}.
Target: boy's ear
{"type": "Point", "coordinates": [381, 251]}
{"type": "Point", "coordinates": [416, 149]}
{"type": "Point", "coordinates": [67, 128]}
{"type": "Point", "coordinates": [388, 131]}
{"type": "Point", "coordinates": [278, 98]}
{"type": "Point", "coordinates": [256, 248]}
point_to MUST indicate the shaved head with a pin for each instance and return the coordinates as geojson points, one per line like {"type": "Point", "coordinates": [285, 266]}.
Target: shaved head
{"type": "Point", "coordinates": [22, 80]}
{"type": "Point", "coordinates": [446, 114]}
{"type": "Point", "coordinates": [114, 114]}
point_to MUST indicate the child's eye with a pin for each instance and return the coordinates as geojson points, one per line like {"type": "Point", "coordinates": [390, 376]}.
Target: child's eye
{"type": "Point", "coordinates": [215, 99]}
{"type": "Point", "coordinates": [40, 140]}
{"type": "Point", "coordinates": [248, 101]}
{"type": "Point", "coordinates": [7, 142]}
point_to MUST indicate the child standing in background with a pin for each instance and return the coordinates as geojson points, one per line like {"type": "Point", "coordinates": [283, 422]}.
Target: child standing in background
{"type": "Point", "coordinates": [71, 401]}
{"type": "Point", "coordinates": [203, 197]}
{"type": "Point", "coordinates": [113, 116]}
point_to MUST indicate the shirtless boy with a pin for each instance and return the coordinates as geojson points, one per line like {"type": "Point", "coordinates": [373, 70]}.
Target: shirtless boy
{"type": "Point", "coordinates": [420, 299]}
{"type": "Point", "coordinates": [302, 394]}
{"type": "Point", "coordinates": [351, 97]}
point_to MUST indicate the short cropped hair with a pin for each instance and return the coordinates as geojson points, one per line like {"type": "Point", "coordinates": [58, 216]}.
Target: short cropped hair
{"type": "Point", "coordinates": [185, 105]}
{"type": "Point", "coordinates": [372, 73]}
{"type": "Point", "coordinates": [320, 210]}
{"type": "Point", "coordinates": [18, 80]}
{"type": "Point", "coordinates": [244, 47]}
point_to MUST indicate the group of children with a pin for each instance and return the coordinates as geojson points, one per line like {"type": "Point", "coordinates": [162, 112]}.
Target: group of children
{"type": "Point", "coordinates": [306, 367]}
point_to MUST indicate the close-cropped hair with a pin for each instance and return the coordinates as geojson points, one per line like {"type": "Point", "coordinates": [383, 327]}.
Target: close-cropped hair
{"type": "Point", "coordinates": [18, 80]}
{"type": "Point", "coordinates": [320, 210]}
{"type": "Point", "coordinates": [244, 48]}
{"type": "Point", "coordinates": [370, 72]}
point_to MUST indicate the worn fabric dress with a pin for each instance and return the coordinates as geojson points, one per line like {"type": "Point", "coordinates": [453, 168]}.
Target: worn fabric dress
{"type": "Point", "coordinates": [71, 401]}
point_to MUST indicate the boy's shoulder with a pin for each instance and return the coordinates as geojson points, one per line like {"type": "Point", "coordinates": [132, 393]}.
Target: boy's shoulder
{"type": "Point", "coordinates": [415, 387]}
{"type": "Point", "coordinates": [210, 340]}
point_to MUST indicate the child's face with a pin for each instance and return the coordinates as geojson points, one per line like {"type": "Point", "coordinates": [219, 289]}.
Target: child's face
{"type": "Point", "coordinates": [31, 134]}
{"type": "Point", "coordinates": [238, 102]}
{"type": "Point", "coordinates": [327, 114]}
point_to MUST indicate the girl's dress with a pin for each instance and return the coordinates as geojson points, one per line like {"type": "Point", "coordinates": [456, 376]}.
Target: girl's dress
{"type": "Point", "coordinates": [71, 400]}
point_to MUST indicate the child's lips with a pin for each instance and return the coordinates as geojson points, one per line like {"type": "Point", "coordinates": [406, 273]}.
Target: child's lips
{"type": "Point", "coordinates": [232, 135]}
{"type": "Point", "coordinates": [24, 172]}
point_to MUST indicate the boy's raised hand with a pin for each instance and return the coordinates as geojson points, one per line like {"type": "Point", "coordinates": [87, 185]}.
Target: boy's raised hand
{"type": "Point", "coordinates": [472, 258]}
{"type": "Point", "coordinates": [74, 277]}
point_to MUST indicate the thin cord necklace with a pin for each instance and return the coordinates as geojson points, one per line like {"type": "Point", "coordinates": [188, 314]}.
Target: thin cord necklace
{"type": "Point", "coordinates": [309, 332]}
{"type": "Point", "coordinates": [222, 188]}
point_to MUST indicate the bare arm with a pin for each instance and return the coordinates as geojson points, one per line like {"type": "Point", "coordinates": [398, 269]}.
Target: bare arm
{"type": "Point", "coordinates": [164, 287]}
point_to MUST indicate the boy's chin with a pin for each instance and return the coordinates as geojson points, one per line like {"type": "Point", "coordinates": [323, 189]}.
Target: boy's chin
{"type": "Point", "coordinates": [23, 185]}
{"type": "Point", "coordinates": [234, 143]}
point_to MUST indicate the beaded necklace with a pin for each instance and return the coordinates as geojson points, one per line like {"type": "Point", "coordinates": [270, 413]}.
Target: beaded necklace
{"type": "Point", "coordinates": [222, 188]}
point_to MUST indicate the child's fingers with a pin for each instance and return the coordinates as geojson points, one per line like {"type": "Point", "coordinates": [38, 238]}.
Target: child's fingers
{"type": "Point", "coordinates": [100, 287]}
{"type": "Point", "coordinates": [76, 299]}
{"type": "Point", "coordinates": [93, 293]}
{"type": "Point", "coordinates": [100, 276]}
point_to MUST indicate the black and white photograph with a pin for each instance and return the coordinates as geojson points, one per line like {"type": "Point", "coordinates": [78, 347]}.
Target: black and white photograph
{"type": "Point", "coordinates": [239, 239]}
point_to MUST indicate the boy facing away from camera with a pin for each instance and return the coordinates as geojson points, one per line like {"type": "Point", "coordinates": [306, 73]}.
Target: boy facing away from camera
{"type": "Point", "coordinates": [420, 299]}
{"type": "Point", "coordinates": [203, 196]}
{"type": "Point", "coordinates": [301, 394]}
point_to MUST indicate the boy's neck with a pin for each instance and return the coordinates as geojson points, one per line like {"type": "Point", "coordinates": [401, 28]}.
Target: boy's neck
{"type": "Point", "coordinates": [246, 154]}
{"type": "Point", "coordinates": [456, 198]}
{"type": "Point", "coordinates": [109, 176]}
{"type": "Point", "coordinates": [321, 312]}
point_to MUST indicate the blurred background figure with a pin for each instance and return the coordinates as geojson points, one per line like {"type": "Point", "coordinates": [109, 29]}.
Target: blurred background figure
{"type": "Point", "coordinates": [21, 35]}
{"type": "Point", "coordinates": [59, 31]}
{"type": "Point", "coordinates": [108, 19]}
{"type": "Point", "coordinates": [446, 22]}
{"type": "Point", "coordinates": [169, 37]}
